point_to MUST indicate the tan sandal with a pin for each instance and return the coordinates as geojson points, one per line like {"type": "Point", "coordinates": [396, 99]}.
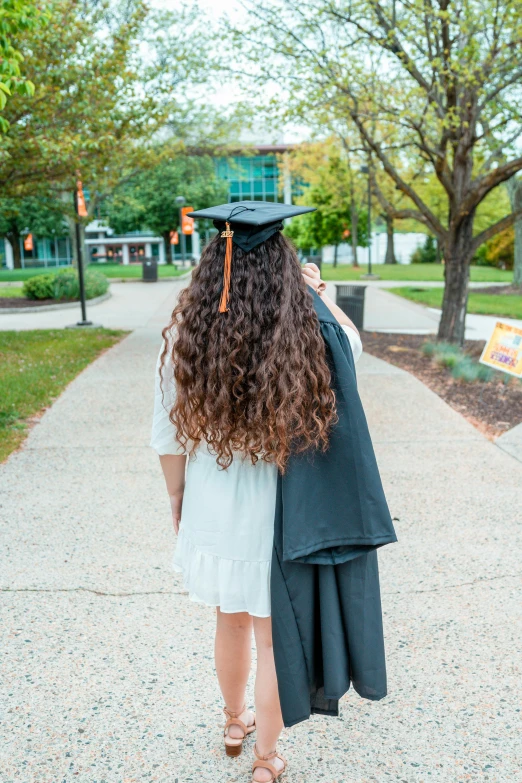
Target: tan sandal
{"type": "Point", "coordinates": [263, 762]}
{"type": "Point", "coordinates": [233, 745]}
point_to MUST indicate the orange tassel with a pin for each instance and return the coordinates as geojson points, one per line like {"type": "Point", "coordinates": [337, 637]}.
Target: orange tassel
{"type": "Point", "coordinates": [223, 304]}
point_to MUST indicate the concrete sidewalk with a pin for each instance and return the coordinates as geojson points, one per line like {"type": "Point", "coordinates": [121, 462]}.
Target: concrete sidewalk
{"type": "Point", "coordinates": [107, 667]}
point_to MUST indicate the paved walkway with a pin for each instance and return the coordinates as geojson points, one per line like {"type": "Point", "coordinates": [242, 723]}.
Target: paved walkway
{"type": "Point", "coordinates": [133, 303]}
{"type": "Point", "coordinates": [107, 670]}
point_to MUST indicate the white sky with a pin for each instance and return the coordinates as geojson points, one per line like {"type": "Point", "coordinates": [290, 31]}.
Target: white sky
{"type": "Point", "coordinates": [222, 96]}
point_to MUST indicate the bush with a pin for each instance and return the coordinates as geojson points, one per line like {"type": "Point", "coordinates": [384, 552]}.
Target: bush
{"type": "Point", "coordinates": [426, 254]}
{"type": "Point", "coordinates": [498, 251]}
{"type": "Point", "coordinates": [39, 287]}
{"type": "Point", "coordinates": [64, 285]}
{"type": "Point", "coordinates": [67, 287]}
{"type": "Point", "coordinates": [462, 366]}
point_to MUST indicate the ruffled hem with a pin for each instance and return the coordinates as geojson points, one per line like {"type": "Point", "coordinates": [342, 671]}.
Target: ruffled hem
{"type": "Point", "coordinates": [233, 585]}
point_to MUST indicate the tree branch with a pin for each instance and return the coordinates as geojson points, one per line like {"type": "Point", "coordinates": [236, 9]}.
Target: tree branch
{"type": "Point", "coordinates": [493, 230]}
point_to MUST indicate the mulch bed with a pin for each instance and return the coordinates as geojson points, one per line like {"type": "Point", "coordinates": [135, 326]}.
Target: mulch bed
{"type": "Point", "coordinates": [497, 289]}
{"type": "Point", "coordinates": [492, 407]}
{"type": "Point", "coordinates": [21, 303]}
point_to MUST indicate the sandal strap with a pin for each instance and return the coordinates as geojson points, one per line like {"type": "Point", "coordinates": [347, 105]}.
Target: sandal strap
{"type": "Point", "coordinates": [265, 765]}
{"type": "Point", "coordinates": [235, 722]}
{"type": "Point", "coordinates": [234, 714]}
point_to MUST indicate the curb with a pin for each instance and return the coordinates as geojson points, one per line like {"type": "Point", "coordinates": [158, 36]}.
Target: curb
{"type": "Point", "coordinates": [46, 308]}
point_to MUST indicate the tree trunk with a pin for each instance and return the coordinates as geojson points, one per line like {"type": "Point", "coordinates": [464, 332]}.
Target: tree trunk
{"type": "Point", "coordinates": [13, 235]}
{"type": "Point", "coordinates": [336, 248]}
{"type": "Point", "coordinates": [168, 251]}
{"type": "Point", "coordinates": [456, 276]}
{"type": "Point", "coordinates": [390, 244]}
{"type": "Point", "coordinates": [514, 187]}
{"type": "Point", "coordinates": [354, 234]}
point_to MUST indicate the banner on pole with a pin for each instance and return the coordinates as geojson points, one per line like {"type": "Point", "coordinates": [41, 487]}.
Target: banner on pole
{"type": "Point", "coordinates": [174, 238]}
{"type": "Point", "coordinates": [80, 201]}
{"type": "Point", "coordinates": [187, 223]}
{"type": "Point", "coordinates": [503, 350]}
{"type": "Point", "coordinates": [28, 242]}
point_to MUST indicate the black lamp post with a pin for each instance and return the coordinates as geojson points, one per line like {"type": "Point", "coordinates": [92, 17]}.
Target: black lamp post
{"type": "Point", "coordinates": [366, 170]}
{"type": "Point", "coordinates": [180, 200]}
{"type": "Point", "coordinates": [81, 281]}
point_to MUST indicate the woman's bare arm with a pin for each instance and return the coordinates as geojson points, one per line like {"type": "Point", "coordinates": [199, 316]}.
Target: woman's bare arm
{"type": "Point", "coordinates": [173, 466]}
{"type": "Point", "coordinates": [312, 276]}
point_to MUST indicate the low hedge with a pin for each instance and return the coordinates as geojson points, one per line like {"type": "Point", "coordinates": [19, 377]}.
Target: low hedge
{"type": "Point", "coordinates": [64, 285]}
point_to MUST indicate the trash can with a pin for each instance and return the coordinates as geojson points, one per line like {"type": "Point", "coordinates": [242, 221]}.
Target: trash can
{"type": "Point", "coordinates": [350, 298]}
{"type": "Point", "coordinates": [150, 270]}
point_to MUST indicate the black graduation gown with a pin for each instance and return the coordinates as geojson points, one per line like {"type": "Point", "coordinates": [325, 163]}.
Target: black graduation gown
{"type": "Point", "coordinates": [331, 515]}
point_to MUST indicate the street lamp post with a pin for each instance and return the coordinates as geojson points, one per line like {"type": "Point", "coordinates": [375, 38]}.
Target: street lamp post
{"type": "Point", "coordinates": [366, 170]}
{"type": "Point", "coordinates": [81, 281]}
{"type": "Point", "coordinates": [180, 200]}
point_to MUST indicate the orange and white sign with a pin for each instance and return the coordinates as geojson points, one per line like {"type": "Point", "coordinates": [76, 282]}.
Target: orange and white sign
{"type": "Point", "coordinates": [503, 350]}
{"type": "Point", "coordinates": [187, 223]}
{"type": "Point", "coordinates": [174, 238]}
{"type": "Point", "coordinates": [28, 242]}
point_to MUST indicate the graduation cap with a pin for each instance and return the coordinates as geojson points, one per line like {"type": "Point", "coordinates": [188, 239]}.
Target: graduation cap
{"type": "Point", "coordinates": [246, 224]}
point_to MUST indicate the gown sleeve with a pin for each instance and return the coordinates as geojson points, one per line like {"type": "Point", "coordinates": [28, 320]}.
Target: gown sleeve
{"type": "Point", "coordinates": [164, 436]}
{"type": "Point", "coordinates": [354, 340]}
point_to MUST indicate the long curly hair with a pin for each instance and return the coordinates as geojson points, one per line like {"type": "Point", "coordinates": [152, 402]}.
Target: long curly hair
{"type": "Point", "coordinates": [253, 380]}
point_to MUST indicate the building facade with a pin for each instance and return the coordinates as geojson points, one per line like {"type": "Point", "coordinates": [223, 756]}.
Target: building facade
{"type": "Point", "coordinates": [259, 174]}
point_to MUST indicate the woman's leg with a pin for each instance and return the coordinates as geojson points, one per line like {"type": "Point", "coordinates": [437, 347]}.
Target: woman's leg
{"type": "Point", "coordinates": [233, 652]}
{"type": "Point", "coordinates": [269, 721]}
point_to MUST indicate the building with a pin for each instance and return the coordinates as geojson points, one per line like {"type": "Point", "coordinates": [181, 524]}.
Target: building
{"type": "Point", "coordinates": [256, 174]}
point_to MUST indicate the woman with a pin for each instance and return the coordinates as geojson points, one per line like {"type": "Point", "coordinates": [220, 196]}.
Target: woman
{"type": "Point", "coordinates": [242, 383]}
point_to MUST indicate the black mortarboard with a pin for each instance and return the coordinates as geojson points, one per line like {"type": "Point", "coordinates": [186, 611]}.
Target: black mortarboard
{"type": "Point", "coordinates": [246, 224]}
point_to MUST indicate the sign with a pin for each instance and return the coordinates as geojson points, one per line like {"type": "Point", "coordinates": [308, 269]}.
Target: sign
{"type": "Point", "coordinates": [174, 238]}
{"type": "Point", "coordinates": [187, 223]}
{"type": "Point", "coordinates": [503, 350]}
{"type": "Point", "coordinates": [80, 201]}
{"type": "Point", "coordinates": [28, 242]}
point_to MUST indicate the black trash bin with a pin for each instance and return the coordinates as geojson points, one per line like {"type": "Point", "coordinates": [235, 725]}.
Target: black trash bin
{"type": "Point", "coordinates": [350, 298]}
{"type": "Point", "coordinates": [150, 270]}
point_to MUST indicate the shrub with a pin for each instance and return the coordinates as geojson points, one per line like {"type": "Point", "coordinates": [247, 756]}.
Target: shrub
{"type": "Point", "coordinates": [427, 254]}
{"type": "Point", "coordinates": [64, 285]}
{"type": "Point", "coordinates": [39, 287]}
{"type": "Point", "coordinates": [67, 287]}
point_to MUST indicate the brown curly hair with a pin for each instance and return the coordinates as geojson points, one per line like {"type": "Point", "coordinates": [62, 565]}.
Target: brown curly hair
{"type": "Point", "coordinates": [253, 380]}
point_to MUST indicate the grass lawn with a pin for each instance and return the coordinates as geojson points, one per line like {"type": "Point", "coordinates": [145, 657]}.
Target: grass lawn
{"type": "Point", "coordinates": [10, 291]}
{"type": "Point", "coordinates": [428, 272]}
{"type": "Point", "coordinates": [109, 270]}
{"type": "Point", "coordinates": [35, 367]}
{"type": "Point", "coordinates": [504, 305]}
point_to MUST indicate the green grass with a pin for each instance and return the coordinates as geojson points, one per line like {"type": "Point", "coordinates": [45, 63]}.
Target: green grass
{"type": "Point", "coordinates": [35, 367]}
{"type": "Point", "coordinates": [109, 270]}
{"type": "Point", "coordinates": [420, 272]}
{"type": "Point", "coordinates": [503, 305]}
{"type": "Point", "coordinates": [10, 291]}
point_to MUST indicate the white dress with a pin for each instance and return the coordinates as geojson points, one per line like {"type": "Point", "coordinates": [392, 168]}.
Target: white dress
{"type": "Point", "coordinates": [224, 546]}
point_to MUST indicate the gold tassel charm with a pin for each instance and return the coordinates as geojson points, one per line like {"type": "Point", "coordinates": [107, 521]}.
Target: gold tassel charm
{"type": "Point", "coordinates": [227, 234]}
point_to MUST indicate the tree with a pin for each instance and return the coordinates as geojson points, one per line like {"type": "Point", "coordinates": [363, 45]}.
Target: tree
{"type": "Point", "coordinates": [39, 215]}
{"type": "Point", "coordinates": [514, 187]}
{"type": "Point", "coordinates": [334, 185]}
{"type": "Point", "coordinates": [147, 201]}
{"type": "Point", "coordinates": [437, 82]}
{"type": "Point", "coordinates": [17, 17]}
{"type": "Point", "coordinates": [100, 106]}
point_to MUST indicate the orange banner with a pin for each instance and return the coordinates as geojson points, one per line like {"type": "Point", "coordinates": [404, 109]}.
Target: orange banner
{"type": "Point", "coordinates": [28, 242]}
{"type": "Point", "coordinates": [187, 223]}
{"type": "Point", "coordinates": [174, 238]}
{"type": "Point", "coordinates": [80, 200]}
